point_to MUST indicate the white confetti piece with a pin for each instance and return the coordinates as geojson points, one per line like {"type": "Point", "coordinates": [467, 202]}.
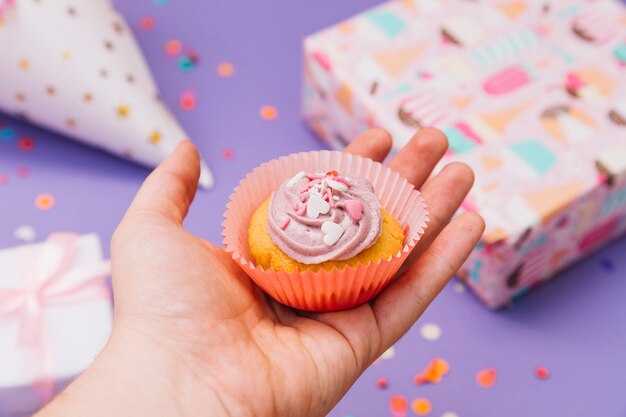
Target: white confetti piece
{"type": "Point", "coordinates": [458, 287]}
{"type": "Point", "coordinates": [25, 233]}
{"type": "Point", "coordinates": [431, 331]}
{"type": "Point", "coordinates": [449, 414]}
{"type": "Point", "coordinates": [388, 354]}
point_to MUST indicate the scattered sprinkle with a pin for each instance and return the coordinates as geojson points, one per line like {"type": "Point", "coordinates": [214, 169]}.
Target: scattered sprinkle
{"type": "Point", "coordinates": [431, 331]}
{"type": "Point", "coordinates": [147, 23]}
{"type": "Point", "coordinates": [188, 100]}
{"type": "Point", "coordinates": [458, 287]}
{"type": "Point", "coordinates": [421, 406]}
{"type": "Point", "coordinates": [449, 414]}
{"type": "Point", "coordinates": [173, 47]}
{"type": "Point", "coordinates": [388, 354]}
{"type": "Point", "coordinates": [185, 64]}
{"type": "Point", "coordinates": [486, 378]}
{"type": "Point", "coordinates": [285, 223]}
{"type": "Point", "coordinates": [228, 154]}
{"type": "Point", "coordinates": [398, 405]}
{"type": "Point", "coordinates": [382, 383]}
{"type": "Point", "coordinates": [268, 113]}
{"type": "Point", "coordinates": [294, 180]}
{"type": "Point", "coordinates": [542, 373]}
{"type": "Point", "coordinates": [44, 201]}
{"type": "Point", "coordinates": [23, 171]}
{"type": "Point", "coordinates": [26, 144]}
{"type": "Point", "coordinates": [225, 69]}
{"type": "Point", "coordinates": [7, 133]}
{"type": "Point", "coordinates": [435, 371]}
{"type": "Point", "coordinates": [607, 264]}
{"type": "Point", "coordinates": [25, 233]}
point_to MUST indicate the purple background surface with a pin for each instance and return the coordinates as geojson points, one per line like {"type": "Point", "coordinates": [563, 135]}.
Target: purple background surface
{"type": "Point", "coordinates": [575, 326]}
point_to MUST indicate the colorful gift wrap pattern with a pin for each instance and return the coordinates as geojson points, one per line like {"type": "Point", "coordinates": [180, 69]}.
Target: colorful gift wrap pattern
{"type": "Point", "coordinates": [55, 316]}
{"type": "Point", "coordinates": [531, 95]}
{"type": "Point", "coordinates": [76, 68]}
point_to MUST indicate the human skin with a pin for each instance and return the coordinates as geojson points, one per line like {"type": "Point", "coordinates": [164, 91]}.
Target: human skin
{"type": "Point", "coordinates": [193, 335]}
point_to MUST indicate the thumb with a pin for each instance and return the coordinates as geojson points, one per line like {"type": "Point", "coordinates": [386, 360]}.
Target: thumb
{"type": "Point", "coordinates": [170, 188]}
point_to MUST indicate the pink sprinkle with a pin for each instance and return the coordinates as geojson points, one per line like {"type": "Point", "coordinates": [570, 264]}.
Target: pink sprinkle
{"type": "Point", "coordinates": [310, 185]}
{"type": "Point", "coordinates": [313, 177]}
{"type": "Point", "coordinates": [329, 195]}
{"type": "Point", "coordinates": [285, 223]}
{"type": "Point", "coordinates": [341, 179]}
{"type": "Point", "coordinates": [303, 198]}
{"type": "Point", "coordinates": [301, 210]}
{"type": "Point", "coordinates": [355, 209]}
{"type": "Point", "coordinates": [295, 206]}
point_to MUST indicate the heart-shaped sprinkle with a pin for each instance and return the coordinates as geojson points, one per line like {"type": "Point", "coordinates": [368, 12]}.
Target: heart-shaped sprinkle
{"type": "Point", "coordinates": [355, 209]}
{"type": "Point", "coordinates": [296, 178]}
{"type": "Point", "coordinates": [316, 206]}
{"type": "Point", "coordinates": [332, 232]}
{"type": "Point", "coordinates": [336, 185]}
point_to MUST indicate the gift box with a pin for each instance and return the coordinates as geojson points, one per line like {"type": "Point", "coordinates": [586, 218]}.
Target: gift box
{"type": "Point", "coordinates": [532, 95]}
{"type": "Point", "coordinates": [77, 69]}
{"type": "Point", "coordinates": [55, 316]}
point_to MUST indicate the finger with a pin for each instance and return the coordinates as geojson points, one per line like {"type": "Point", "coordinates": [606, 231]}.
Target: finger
{"type": "Point", "coordinates": [404, 301]}
{"type": "Point", "coordinates": [418, 158]}
{"type": "Point", "coordinates": [374, 144]}
{"type": "Point", "coordinates": [443, 195]}
{"type": "Point", "coordinates": [170, 188]}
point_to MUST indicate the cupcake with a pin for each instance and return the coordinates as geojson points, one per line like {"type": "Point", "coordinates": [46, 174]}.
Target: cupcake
{"type": "Point", "coordinates": [322, 220]}
{"type": "Point", "coordinates": [323, 231]}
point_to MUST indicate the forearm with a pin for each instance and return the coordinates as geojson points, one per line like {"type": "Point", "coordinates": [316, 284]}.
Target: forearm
{"type": "Point", "coordinates": [123, 381]}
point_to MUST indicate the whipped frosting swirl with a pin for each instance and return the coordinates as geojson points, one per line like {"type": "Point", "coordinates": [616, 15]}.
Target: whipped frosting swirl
{"type": "Point", "coordinates": [321, 217]}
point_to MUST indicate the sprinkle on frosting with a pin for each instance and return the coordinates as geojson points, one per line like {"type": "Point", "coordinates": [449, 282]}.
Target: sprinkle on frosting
{"type": "Point", "coordinates": [318, 217]}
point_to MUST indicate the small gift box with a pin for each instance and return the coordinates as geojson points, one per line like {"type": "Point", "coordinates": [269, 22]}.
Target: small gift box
{"type": "Point", "coordinates": [55, 316]}
{"type": "Point", "coordinates": [530, 94]}
{"type": "Point", "coordinates": [76, 68]}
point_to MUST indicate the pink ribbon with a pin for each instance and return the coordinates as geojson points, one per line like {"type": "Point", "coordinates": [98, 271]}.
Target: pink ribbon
{"type": "Point", "coordinates": [52, 290]}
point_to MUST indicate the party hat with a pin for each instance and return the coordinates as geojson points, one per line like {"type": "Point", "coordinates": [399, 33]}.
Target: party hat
{"type": "Point", "coordinates": [77, 69]}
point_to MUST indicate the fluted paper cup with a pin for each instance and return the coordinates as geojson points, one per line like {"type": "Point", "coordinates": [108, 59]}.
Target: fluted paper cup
{"type": "Point", "coordinates": [323, 290]}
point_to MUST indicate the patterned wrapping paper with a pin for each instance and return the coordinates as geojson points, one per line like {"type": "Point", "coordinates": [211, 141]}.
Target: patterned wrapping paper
{"type": "Point", "coordinates": [76, 68]}
{"type": "Point", "coordinates": [531, 95]}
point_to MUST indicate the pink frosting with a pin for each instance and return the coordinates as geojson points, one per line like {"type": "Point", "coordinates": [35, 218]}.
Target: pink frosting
{"type": "Point", "coordinates": [352, 205]}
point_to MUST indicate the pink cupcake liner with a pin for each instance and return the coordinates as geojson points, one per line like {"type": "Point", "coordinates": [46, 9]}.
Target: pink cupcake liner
{"type": "Point", "coordinates": [323, 290]}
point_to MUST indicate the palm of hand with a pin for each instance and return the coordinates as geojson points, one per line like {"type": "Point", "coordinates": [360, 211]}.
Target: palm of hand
{"type": "Point", "coordinates": [189, 299]}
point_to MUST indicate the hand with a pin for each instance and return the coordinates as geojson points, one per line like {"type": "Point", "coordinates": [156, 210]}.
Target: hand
{"type": "Point", "coordinates": [194, 336]}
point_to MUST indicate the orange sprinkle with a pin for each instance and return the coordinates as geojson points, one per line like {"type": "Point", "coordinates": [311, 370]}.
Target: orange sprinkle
{"type": "Point", "coordinates": [398, 404]}
{"type": "Point", "coordinates": [225, 69]}
{"type": "Point", "coordinates": [173, 47]}
{"type": "Point", "coordinates": [542, 373]}
{"type": "Point", "coordinates": [434, 372]}
{"type": "Point", "coordinates": [268, 113]}
{"type": "Point", "coordinates": [44, 201]}
{"type": "Point", "coordinates": [421, 406]}
{"type": "Point", "coordinates": [486, 378]}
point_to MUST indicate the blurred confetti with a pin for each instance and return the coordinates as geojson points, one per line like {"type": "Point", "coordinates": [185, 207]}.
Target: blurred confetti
{"type": "Point", "coordinates": [225, 69]}
{"type": "Point", "coordinates": [25, 233]}
{"type": "Point", "coordinates": [44, 201]}
{"type": "Point", "coordinates": [486, 378]}
{"type": "Point", "coordinates": [398, 405]}
{"type": "Point", "coordinates": [388, 354]}
{"type": "Point", "coordinates": [187, 100]}
{"type": "Point", "coordinates": [147, 23]}
{"type": "Point", "coordinates": [421, 406]}
{"type": "Point", "coordinates": [382, 383]}
{"type": "Point", "coordinates": [542, 372]}
{"type": "Point", "coordinates": [431, 331]}
{"type": "Point", "coordinates": [268, 113]}
{"type": "Point", "coordinates": [228, 154]}
{"type": "Point", "coordinates": [434, 372]}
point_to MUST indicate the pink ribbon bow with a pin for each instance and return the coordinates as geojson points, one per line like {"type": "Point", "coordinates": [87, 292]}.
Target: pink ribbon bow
{"type": "Point", "coordinates": [27, 303]}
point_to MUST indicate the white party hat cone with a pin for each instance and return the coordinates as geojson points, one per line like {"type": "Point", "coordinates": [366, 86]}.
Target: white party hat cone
{"type": "Point", "coordinates": [78, 70]}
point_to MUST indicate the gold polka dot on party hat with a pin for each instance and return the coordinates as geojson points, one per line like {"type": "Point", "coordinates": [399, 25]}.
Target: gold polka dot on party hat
{"type": "Point", "coordinates": [87, 97]}
{"type": "Point", "coordinates": [130, 78]}
{"type": "Point", "coordinates": [21, 97]}
{"type": "Point", "coordinates": [71, 11]}
{"type": "Point", "coordinates": [123, 111]}
{"type": "Point", "coordinates": [118, 27]}
{"type": "Point", "coordinates": [24, 63]}
{"type": "Point", "coordinates": [104, 73]}
{"type": "Point", "coordinates": [66, 55]}
{"type": "Point", "coordinates": [70, 122]}
{"type": "Point", "coordinates": [108, 45]}
{"type": "Point", "coordinates": [155, 137]}
{"type": "Point", "coordinates": [50, 90]}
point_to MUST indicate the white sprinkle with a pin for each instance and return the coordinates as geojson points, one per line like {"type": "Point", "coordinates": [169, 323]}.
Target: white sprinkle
{"type": "Point", "coordinates": [458, 287]}
{"type": "Point", "coordinates": [316, 206]}
{"type": "Point", "coordinates": [431, 331]}
{"type": "Point", "coordinates": [339, 186]}
{"type": "Point", "coordinates": [25, 233]}
{"type": "Point", "coordinates": [388, 354]}
{"type": "Point", "coordinates": [336, 197]}
{"type": "Point", "coordinates": [332, 232]}
{"type": "Point", "coordinates": [296, 178]}
{"type": "Point", "coordinates": [449, 414]}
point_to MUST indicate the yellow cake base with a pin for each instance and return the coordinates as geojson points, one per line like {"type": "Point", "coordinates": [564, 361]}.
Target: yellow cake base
{"type": "Point", "coordinates": [268, 255]}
